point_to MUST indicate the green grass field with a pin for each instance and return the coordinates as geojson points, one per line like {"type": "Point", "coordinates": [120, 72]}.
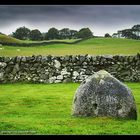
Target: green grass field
{"type": "Point", "coordinates": [94, 46]}
{"type": "Point", "coordinates": [46, 109]}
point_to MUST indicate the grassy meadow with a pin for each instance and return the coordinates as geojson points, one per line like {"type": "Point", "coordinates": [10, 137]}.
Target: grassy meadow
{"type": "Point", "coordinates": [93, 46]}
{"type": "Point", "coordinates": [46, 109]}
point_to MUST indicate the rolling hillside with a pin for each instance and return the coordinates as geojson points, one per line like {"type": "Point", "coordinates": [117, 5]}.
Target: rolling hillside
{"type": "Point", "coordinates": [11, 41]}
{"type": "Point", "coordinates": [8, 39]}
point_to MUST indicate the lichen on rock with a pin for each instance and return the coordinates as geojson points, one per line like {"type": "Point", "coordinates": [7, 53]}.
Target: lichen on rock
{"type": "Point", "coordinates": [103, 95]}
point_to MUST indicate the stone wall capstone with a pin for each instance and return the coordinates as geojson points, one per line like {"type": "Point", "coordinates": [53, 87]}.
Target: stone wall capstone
{"type": "Point", "coordinates": [69, 68]}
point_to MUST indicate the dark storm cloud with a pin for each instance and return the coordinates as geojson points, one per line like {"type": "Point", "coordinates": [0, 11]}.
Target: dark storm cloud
{"type": "Point", "coordinates": [94, 15]}
{"type": "Point", "coordinates": [31, 14]}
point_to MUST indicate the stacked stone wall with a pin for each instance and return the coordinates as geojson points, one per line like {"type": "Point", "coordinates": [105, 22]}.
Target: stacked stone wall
{"type": "Point", "coordinates": [64, 69]}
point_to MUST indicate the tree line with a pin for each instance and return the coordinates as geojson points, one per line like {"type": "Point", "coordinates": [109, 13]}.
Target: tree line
{"type": "Point", "coordinates": [25, 33]}
{"type": "Point", "coordinates": [132, 33]}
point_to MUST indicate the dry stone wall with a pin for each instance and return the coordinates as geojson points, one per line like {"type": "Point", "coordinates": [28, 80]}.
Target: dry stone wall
{"type": "Point", "coordinates": [57, 69]}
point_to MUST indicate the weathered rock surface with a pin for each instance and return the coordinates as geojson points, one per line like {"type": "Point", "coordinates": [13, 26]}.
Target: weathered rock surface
{"type": "Point", "coordinates": [103, 95]}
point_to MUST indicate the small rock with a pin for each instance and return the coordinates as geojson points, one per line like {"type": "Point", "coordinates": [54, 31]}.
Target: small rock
{"type": "Point", "coordinates": [67, 80]}
{"type": "Point", "coordinates": [16, 68]}
{"type": "Point", "coordinates": [52, 79]}
{"type": "Point", "coordinates": [64, 72]}
{"type": "Point", "coordinates": [59, 77]}
{"type": "Point", "coordinates": [1, 75]}
{"type": "Point", "coordinates": [2, 64]}
{"type": "Point", "coordinates": [57, 64]}
{"type": "Point", "coordinates": [23, 59]}
{"type": "Point", "coordinates": [57, 81]}
{"type": "Point", "coordinates": [75, 73]}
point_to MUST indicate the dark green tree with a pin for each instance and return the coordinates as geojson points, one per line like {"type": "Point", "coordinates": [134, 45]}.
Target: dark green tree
{"type": "Point", "coordinates": [21, 33]}
{"type": "Point", "coordinates": [128, 33]}
{"type": "Point", "coordinates": [35, 35]}
{"type": "Point", "coordinates": [84, 33]}
{"type": "Point", "coordinates": [133, 33]}
{"type": "Point", "coordinates": [64, 33]}
{"type": "Point", "coordinates": [73, 34]}
{"type": "Point", "coordinates": [136, 27]}
{"type": "Point", "coordinates": [52, 33]}
{"type": "Point", "coordinates": [107, 35]}
{"type": "Point", "coordinates": [136, 30]}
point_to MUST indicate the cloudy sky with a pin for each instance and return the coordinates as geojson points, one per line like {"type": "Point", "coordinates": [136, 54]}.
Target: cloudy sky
{"type": "Point", "coordinates": [100, 19]}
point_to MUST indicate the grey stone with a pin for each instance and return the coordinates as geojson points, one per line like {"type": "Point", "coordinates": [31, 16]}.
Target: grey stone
{"type": "Point", "coordinates": [57, 81]}
{"type": "Point", "coordinates": [88, 57]}
{"type": "Point", "coordinates": [93, 58]}
{"type": "Point", "coordinates": [60, 77]}
{"type": "Point", "coordinates": [64, 72]}
{"type": "Point", "coordinates": [83, 77]}
{"type": "Point", "coordinates": [44, 76]}
{"type": "Point", "coordinates": [57, 64]}
{"type": "Point", "coordinates": [76, 68]}
{"type": "Point", "coordinates": [67, 80]}
{"type": "Point", "coordinates": [23, 59]}
{"type": "Point", "coordinates": [35, 65]}
{"type": "Point", "coordinates": [41, 80]}
{"type": "Point", "coordinates": [7, 59]}
{"type": "Point", "coordinates": [52, 79]}
{"type": "Point", "coordinates": [18, 59]}
{"type": "Point", "coordinates": [85, 67]}
{"type": "Point", "coordinates": [75, 73]}
{"type": "Point", "coordinates": [3, 65]}
{"type": "Point", "coordinates": [38, 58]}
{"type": "Point", "coordinates": [35, 79]}
{"type": "Point", "coordinates": [81, 58]}
{"type": "Point", "coordinates": [16, 68]}
{"type": "Point", "coordinates": [66, 58]}
{"type": "Point", "coordinates": [73, 59]}
{"type": "Point", "coordinates": [85, 63]}
{"type": "Point", "coordinates": [1, 75]}
{"type": "Point", "coordinates": [88, 72]}
{"type": "Point", "coordinates": [103, 95]}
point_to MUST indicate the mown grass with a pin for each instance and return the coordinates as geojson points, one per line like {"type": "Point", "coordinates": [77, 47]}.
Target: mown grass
{"type": "Point", "coordinates": [46, 109]}
{"type": "Point", "coordinates": [94, 46]}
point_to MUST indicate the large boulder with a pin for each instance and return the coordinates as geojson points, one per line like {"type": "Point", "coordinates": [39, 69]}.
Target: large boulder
{"type": "Point", "coordinates": [103, 95]}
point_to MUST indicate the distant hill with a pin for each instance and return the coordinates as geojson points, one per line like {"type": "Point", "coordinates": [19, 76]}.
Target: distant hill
{"type": "Point", "coordinates": [7, 39]}
{"type": "Point", "coordinates": [11, 41]}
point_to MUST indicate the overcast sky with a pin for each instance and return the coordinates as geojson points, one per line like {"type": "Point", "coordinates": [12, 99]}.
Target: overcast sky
{"type": "Point", "coordinates": [100, 19]}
